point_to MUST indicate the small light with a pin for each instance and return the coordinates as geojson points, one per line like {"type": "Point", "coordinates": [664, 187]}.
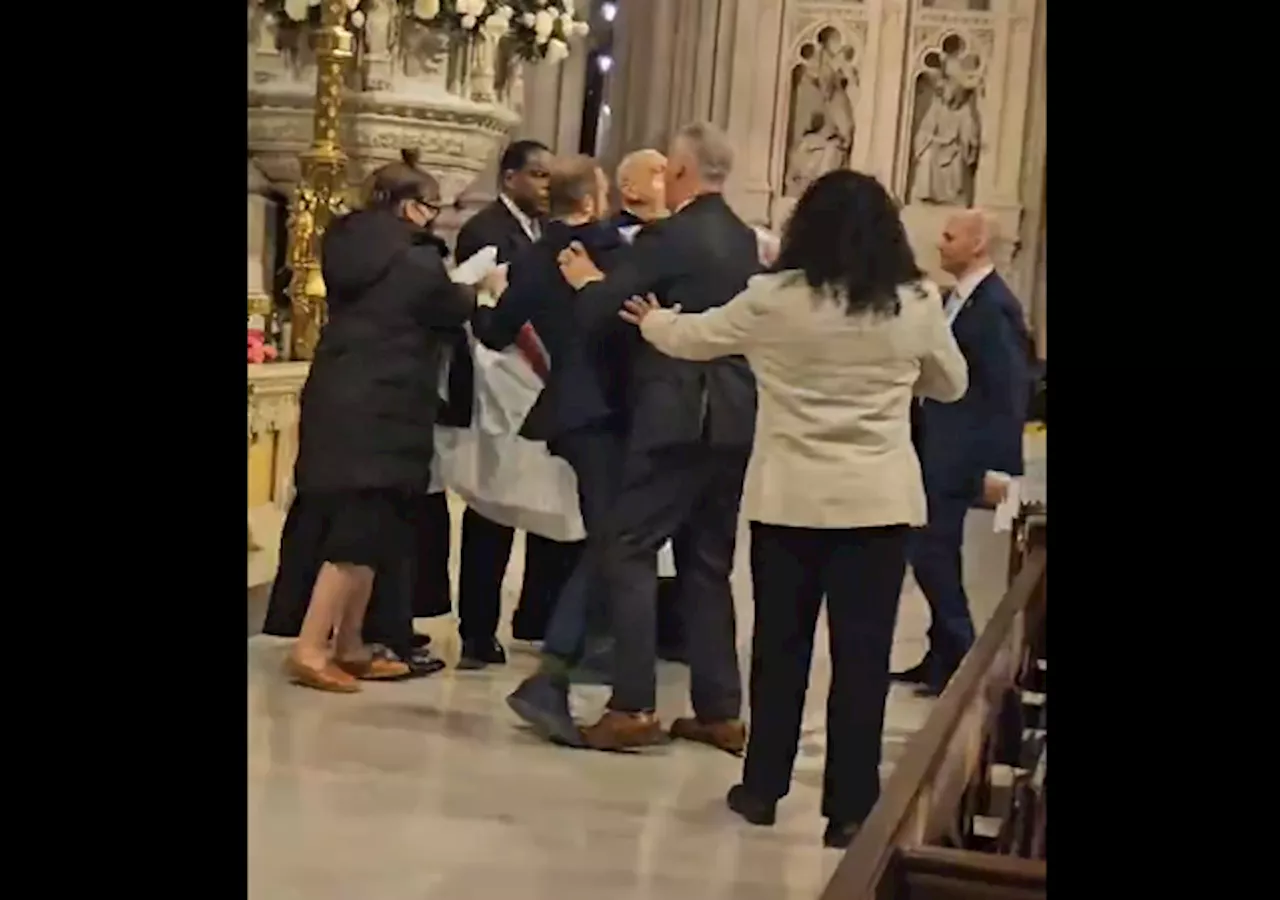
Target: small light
{"type": "Point", "coordinates": [606, 110]}
{"type": "Point", "coordinates": [608, 11]}
{"type": "Point", "coordinates": [604, 62]}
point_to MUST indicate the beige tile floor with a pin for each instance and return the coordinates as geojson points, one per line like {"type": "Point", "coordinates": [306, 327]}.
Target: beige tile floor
{"type": "Point", "coordinates": [429, 789]}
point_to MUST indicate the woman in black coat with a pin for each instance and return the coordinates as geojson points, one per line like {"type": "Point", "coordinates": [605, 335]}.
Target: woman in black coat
{"type": "Point", "coordinates": [368, 414]}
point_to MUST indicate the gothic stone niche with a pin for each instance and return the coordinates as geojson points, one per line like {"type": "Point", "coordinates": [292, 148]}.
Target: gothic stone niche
{"type": "Point", "coordinates": [947, 81]}
{"type": "Point", "coordinates": [820, 77]}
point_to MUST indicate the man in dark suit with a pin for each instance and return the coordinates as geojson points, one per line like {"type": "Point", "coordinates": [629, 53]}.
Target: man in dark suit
{"type": "Point", "coordinates": [972, 449]}
{"type": "Point", "coordinates": [642, 193]}
{"type": "Point", "coordinates": [511, 223]}
{"type": "Point", "coordinates": [685, 458]}
{"type": "Point", "coordinates": [579, 413]}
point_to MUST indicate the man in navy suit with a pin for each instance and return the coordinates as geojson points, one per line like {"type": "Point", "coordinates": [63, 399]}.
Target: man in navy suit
{"type": "Point", "coordinates": [580, 412]}
{"type": "Point", "coordinates": [972, 449]}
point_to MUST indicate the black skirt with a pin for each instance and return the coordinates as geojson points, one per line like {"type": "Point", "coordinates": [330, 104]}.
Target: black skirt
{"type": "Point", "coordinates": [403, 537]}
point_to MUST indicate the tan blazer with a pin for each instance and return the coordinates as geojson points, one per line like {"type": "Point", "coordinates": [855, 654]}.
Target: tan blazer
{"type": "Point", "coordinates": [833, 434]}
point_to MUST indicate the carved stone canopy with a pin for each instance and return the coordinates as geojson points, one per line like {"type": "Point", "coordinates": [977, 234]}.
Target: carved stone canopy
{"type": "Point", "coordinates": [409, 86]}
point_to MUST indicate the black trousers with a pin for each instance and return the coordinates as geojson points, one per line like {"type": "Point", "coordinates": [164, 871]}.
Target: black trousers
{"type": "Point", "coordinates": [690, 494]}
{"type": "Point", "coordinates": [486, 550]}
{"type": "Point", "coordinates": [936, 557]}
{"type": "Point", "coordinates": [860, 571]}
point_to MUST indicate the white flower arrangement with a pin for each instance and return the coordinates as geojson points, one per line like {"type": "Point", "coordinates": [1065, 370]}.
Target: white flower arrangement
{"type": "Point", "coordinates": [534, 29]}
{"type": "Point", "coordinates": [542, 29]}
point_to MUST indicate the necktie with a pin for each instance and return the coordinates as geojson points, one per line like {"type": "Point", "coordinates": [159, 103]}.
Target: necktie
{"type": "Point", "coordinates": [530, 347]}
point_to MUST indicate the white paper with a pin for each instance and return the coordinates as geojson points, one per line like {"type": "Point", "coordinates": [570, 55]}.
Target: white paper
{"type": "Point", "coordinates": [667, 561]}
{"type": "Point", "coordinates": [476, 268]}
{"type": "Point", "coordinates": [1008, 509]}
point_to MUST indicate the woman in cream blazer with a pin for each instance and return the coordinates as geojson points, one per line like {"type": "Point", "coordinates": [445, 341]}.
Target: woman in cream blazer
{"type": "Point", "coordinates": [841, 335]}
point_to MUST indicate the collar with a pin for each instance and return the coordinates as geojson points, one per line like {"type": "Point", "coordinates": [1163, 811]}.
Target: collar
{"type": "Point", "coordinates": [969, 283]}
{"type": "Point", "coordinates": [529, 225]}
{"type": "Point", "coordinates": [694, 199]}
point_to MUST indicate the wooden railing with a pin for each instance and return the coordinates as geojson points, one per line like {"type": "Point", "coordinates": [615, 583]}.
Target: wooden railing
{"type": "Point", "coordinates": [963, 817]}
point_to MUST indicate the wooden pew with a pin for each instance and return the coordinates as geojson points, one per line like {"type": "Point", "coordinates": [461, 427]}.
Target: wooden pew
{"type": "Point", "coordinates": [933, 835]}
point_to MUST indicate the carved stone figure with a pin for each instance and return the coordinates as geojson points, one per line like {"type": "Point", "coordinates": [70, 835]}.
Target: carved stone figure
{"type": "Point", "coordinates": [946, 140]}
{"type": "Point", "coordinates": [821, 122]}
{"type": "Point", "coordinates": [378, 25]}
{"type": "Point", "coordinates": [267, 29]}
{"type": "Point", "coordinates": [421, 50]}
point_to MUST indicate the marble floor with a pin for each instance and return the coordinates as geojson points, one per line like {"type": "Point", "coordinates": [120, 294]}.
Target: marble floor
{"type": "Point", "coordinates": [430, 788]}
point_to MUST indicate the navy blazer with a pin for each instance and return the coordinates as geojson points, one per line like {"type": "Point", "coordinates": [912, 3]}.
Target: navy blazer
{"type": "Point", "coordinates": [960, 442]}
{"type": "Point", "coordinates": [586, 384]}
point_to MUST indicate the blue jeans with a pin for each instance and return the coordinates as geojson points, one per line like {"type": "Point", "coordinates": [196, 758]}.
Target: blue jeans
{"type": "Point", "coordinates": [596, 458]}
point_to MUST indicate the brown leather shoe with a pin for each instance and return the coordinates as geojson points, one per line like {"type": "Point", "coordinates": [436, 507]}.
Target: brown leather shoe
{"type": "Point", "coordinates": [330, 678]}
{"type": "Point", "coordinates": [624, 731]}
{"type": "Point", "coordinates": [729, 735]}
{"type": "Point", "coordinates": [374, 669]}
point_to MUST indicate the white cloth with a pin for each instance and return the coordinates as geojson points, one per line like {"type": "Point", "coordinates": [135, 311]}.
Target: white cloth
{"type": "Point", "coordinates": [504, 477]}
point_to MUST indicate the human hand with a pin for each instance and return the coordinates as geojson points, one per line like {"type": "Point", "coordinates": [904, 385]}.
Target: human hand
{"type": "Point", "coordinates": [995, 487]}
{"type": "Point", "coordinates": [576, 266]}
{"type": "Point", "coordinates": [635, 309]}
{"type": "Point", "coordinates": [495, 282]}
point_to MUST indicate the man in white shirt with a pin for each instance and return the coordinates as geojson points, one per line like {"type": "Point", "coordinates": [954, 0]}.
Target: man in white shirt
{"type": "Point", "coordinates": [971, 450]}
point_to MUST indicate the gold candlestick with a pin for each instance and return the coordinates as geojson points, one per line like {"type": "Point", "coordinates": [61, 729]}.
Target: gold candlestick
{"type": "Point", "coordinates": [322, 182]}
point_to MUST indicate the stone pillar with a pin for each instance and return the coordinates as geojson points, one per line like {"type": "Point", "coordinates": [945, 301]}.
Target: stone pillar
{"type": "Point", "coordinates": [553, 98]}
{"type": "Point", "coordinates": [677, 61]}
{"type": "Point", "coordinates": [261, 223]}
{"type": "Point", "coordinates": [1029, 266]}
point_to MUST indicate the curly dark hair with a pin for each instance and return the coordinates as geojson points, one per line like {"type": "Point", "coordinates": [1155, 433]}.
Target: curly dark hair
{"type": "Point", "coordinates": [845, 234]}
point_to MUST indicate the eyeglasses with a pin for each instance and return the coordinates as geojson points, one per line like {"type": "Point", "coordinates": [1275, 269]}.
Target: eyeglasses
{"type": "Point", "coordinates": [432, 206]}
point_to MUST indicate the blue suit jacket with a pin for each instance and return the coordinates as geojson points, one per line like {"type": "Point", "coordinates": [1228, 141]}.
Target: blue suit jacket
{"type": "Point", "coordinates": [588, 370]}
{"type": "Point", "coordinates": [959, 442]}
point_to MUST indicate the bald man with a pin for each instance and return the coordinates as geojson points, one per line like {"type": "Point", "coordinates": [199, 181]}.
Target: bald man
{"type": "Point", "coordinates": [972, 449]}
{"type": "Point", "coordinates": [642, 188]}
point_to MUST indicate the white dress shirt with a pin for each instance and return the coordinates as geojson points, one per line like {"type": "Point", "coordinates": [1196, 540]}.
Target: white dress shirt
{"type": "Point", "coordinates": [529, 225]}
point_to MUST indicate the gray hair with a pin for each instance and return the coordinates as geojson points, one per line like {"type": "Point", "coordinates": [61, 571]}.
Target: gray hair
{"type": "Point", "coordinates": [711, 149]}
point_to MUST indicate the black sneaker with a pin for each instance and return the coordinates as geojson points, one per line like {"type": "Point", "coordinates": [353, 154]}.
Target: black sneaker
{"type": "Point", "coordinates": [479, 654]}
{"type": "Point", "coordinates": [543, 702]}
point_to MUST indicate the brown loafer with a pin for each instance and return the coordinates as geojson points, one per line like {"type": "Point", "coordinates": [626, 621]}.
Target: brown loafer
{"type": "Point", "coordinates": [330, 678]}
{"type": "Point", "coordinates": [624, 731]}
{"type": "Point", "coordinates": [374, 668]}
{"type": "Point", "coordinates": [729, 735]}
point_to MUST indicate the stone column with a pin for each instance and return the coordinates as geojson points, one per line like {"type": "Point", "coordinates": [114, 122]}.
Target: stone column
{"type": "Point", "coordinates": [677, 61]}
{"type": "Point", "coordinates": [261, 222]}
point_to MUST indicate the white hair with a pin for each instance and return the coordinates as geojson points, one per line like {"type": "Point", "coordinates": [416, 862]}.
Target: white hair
{"type": "Point", "coordinates": [710, 149]}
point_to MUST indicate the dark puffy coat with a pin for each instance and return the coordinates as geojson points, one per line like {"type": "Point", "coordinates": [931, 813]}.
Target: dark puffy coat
{"type": "Point", "coordinates": [369, 404]}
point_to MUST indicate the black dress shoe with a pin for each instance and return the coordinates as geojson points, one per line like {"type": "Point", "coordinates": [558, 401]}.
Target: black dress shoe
{"type": "Point", "coordinates": [753, 809]}
{"type": "Point", "coordinates": [920, 673]}
{"type": "Point", "coordinates": [543, 702]}
{"type": "Point", "coordinates": [840, 835]}
{"type": "Point", "coordinates": [478, 654]}
{"type": "Point", "coordinates": [421, 663]}
{"type": "Point", "coordinates": [418, 641]}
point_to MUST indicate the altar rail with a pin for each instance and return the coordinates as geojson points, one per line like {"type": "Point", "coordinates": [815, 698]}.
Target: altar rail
{"type": "Point", "coordinates": [963, 816]}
